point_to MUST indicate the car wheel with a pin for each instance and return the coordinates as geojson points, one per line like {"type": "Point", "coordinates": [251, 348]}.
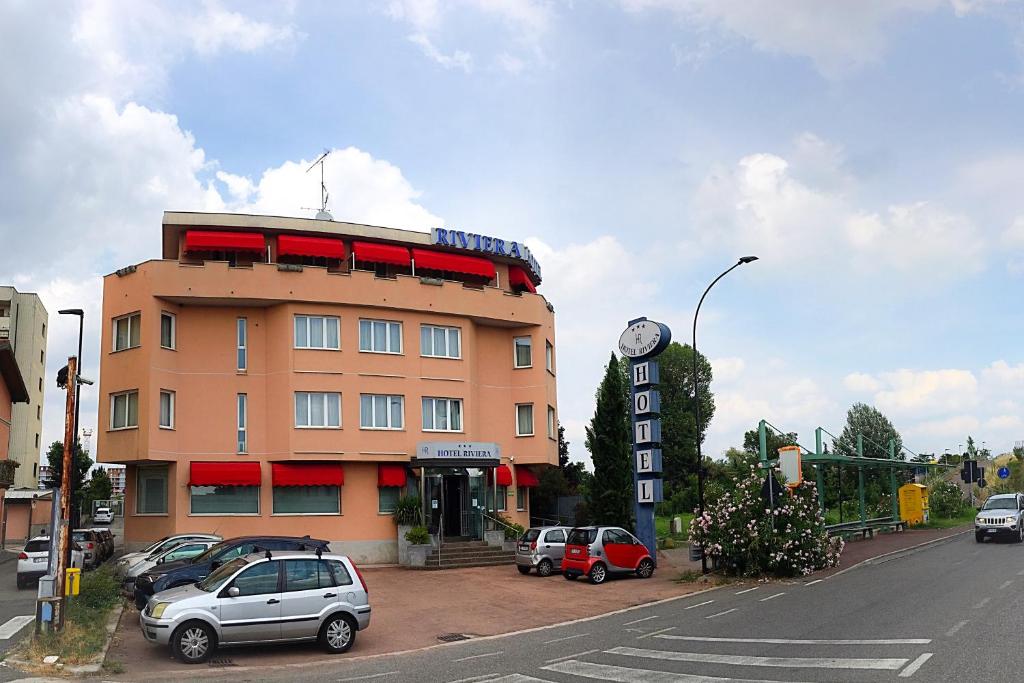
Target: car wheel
{"type": "Point", "coordinates": [1020, 534]}
{"type": "Point", "coordinates": [598, 574]}
{"type": "Point", "coordinates": [523, 570]}
{"type": "Point", "coordinates": [569, 576]}
{"type": "Point", "coordinates": [645, 569]}
{"type": "Point", "coordinates": [338, 634]}
{"type": "Point", "coordinates": [544, 568]}
{"type": "Point", "coordinates": [193, 642]}
{"type": "Point", "coordinates": [21, 582]}
{"type": "Point", "coordinates": [978, 538]}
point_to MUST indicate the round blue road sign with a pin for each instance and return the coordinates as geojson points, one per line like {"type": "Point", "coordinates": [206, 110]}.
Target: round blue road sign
{"type": "Point", "coordinates": [1003, 472]}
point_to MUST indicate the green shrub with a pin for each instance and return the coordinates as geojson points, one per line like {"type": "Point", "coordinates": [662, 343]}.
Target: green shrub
{"type": "Point", "coordinates": [947, 500]}
{"type": "Point", "coordinates": [418, 535]}
{"type": "Point", "coordinates": [408, 511]}
{"type": "Point", "coordinates": [512, 530]}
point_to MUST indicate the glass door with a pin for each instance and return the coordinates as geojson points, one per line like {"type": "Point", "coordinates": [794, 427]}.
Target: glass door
{"type": "Point", "coordinates": [475, 504]}
{"type": "Point", "coordinates": [433, 487]}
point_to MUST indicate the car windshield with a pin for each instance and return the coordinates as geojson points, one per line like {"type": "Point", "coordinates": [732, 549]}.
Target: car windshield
{"type": "Point", "coordinates": [210, 553]}
{"type": "Point", "coordinates": [35, 546]}
{"type": "Point", "coordinates": [153, 546]}
{"type": "Point", "coordinates": [582, 536]}
{"type": "Point", "coordinates": [78, 535]}
{"type": "Point", "coordinates": [530, 536]}
{"type": "Point", "coordinates": [1000, 504]}
{"type": "Point", "coordinates": [216, 580]}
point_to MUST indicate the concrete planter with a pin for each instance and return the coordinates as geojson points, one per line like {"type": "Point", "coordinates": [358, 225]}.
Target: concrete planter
{"type": "Point", "coordinates": [496, 538]}
{"type": "Point", "coordinates": [403, 545]}
{"type": "Point", "coordinates": [510, 545]}
{"type": "Point", "coordinates": [418, 554]}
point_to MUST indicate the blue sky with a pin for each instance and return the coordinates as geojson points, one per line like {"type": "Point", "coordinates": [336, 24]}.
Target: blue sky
{"type": "Point", "coordinates": [870, 153]}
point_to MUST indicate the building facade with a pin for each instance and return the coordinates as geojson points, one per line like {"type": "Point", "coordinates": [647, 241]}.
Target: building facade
{"type": "Point", "coordinates": [13, 393]}
{"type": "Point", "coordinates": [297, 376]}
{"type": "Point", "coordinates": [23, 320]}
{"type": "Point", "coordinates": [117, 479]}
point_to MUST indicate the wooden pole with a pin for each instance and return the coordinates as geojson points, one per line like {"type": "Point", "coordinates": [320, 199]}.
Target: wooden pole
{"type": "Point", "coordinates": [64, 529]}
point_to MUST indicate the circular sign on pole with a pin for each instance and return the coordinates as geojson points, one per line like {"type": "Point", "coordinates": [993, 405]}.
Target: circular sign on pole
{"type": "Point", "coordinates": [644, 338]}
{"type": "Point", "coordinates": [1003, 472]}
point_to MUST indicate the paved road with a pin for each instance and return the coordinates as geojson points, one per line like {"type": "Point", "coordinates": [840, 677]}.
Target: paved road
{"type": "Point", "coordinates": [17, 606]}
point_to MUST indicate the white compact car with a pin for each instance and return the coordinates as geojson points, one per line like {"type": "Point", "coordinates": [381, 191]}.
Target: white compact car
{"type": "Point", "coordinates": [103, 516]}
{"type": "Point", "coordinates": [182, 551]}
{"type": "Point", "coordinates": [166, 543]}
{"type": "Point", "coordinates": [33, 560]}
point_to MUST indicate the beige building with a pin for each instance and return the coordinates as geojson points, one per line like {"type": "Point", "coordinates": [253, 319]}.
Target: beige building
{"type": "Point", "coordinates": [23, 320]}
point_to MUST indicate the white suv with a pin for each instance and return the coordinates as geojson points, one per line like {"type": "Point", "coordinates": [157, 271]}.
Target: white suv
{"type": "Point", "coordinates": [103, 516]}
{"type": "Point", "coordinates": [262, 598]}
{"type": "Point", "coordinates": [33, 561]}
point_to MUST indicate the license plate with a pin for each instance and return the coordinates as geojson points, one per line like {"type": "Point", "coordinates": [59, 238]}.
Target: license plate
{"type": "Point", "coordinates": [524, 546]}
{"type": "Point", "coordinates": [39, 559]}
{"type": "Point", "coordinates": [575, 551]}
{"type": "Point", "coordinates": [991, 531]}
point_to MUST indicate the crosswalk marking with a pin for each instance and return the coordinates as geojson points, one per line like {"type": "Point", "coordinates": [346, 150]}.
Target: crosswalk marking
{"type": "Point", "coordinates": [789, 641]}
{"type": "Point", "coordinates": [517, 678]}
{"type": "Point", "coordinates": [915, 665]}
{"type": "Point", "coordinates": [887, 664]}
{"type": "Point", "coordinates": [621, 674]}
{"type": "Point", "coordinates": [13, 625]}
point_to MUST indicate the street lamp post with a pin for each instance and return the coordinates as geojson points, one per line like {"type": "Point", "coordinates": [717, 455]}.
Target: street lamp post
{"type": "Point", "coordinates": [696, 403]}
{"type": "Point", "coordinates": [78, 402]}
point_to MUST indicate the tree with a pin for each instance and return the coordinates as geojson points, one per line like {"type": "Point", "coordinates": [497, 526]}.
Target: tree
{"type": "Point", "coordinates": [610, 494]}
{"type": "Point", "coordinates": [98, 488]}
{"type": "Point", "coordinates": [876, 432]}
{"type": "Point", "coordinates": [79, 468]}
{"type": "Point", "coordinates": [774, 441]}
{"type": "Point", "coordinates": [573, 472]}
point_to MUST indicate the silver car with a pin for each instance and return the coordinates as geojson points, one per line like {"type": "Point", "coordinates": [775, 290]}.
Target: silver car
{"type": "Point", "coordinates": [541, 548]}
{"type": "Point", "coordinates": [1001, 515]}
{"type": "Point", "coordinates": [262, 598]}
{"type": "Point", "coordinates": [182, 551]}
{"type": "Point", "coordinates": [126, 561]}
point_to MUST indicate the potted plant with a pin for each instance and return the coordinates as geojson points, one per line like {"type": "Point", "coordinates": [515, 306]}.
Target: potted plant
{"type": "Point", "coordinates": [419, 546]}
{"type": "Point", "coordinates": [407, 515]}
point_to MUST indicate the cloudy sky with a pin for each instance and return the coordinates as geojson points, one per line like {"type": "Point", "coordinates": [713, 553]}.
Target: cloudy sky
{"type": "Point", "coordinates": [870, 153]}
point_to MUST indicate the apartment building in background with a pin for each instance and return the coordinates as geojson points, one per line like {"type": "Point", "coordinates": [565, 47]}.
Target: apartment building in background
{"type": "Point", "coordinates": [13, 392]}
{"type": "Point", "coordinates": [296, 376]}
{"type": "Point", "coordinates": [23, 321]}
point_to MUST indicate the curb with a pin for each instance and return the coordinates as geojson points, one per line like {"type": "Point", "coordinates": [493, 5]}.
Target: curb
{"type": "Point", "coordinates": [92, 667]}
{"type": "Point", "coordinates": [884, 557]}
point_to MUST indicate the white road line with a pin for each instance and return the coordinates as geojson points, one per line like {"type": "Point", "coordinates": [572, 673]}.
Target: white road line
{"type": "Point", "coordinates": [957, 627]}
{"type": "Point", "coordinates": [772, 597]}
{"type": "Point", "coordinates": [13, 625]}
{"type": "Point", "coordinates": [578, 654]}
{"type": "Point", "coordinates": [475, 679]}
{"type": "Point", "coordinates": [915, 665]}
{"type": "Point", "coordinates": [518, 678]}
{"type": "Point", "coordinates": [656, 633]}
{"type": "Point", "coordinates": [747, 590]}
{"type": "Point", "coordinates": [637, 621]}
{"type": "Point", "coordinates": [1006, 584]}
{"type": "Point", "coordinates": [486, 654]}
{"type": "Point", "coordinates": [368, 676]}
{"type": "Point", "coordinates": [785, 641]}
{"type": "Point", "coordinates": [621, 674]}
{"type": "Point", "coordinates": [558, 640]}
{"type": "Point", "coordinates": [982, 603]}
{"type": "Point", "coordinates": [699, 604]}
{"type": "Point", "coordinates": [712, 616]}
{"type": "Point", "coordinates": [811, 583]}
{"type": "Point", "coordinates": [890, 664]}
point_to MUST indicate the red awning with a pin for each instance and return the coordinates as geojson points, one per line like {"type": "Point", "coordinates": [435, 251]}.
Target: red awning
{"type": "Point", "coordinates": [373, 252]}
{"type": "Point", "coordinates": [209, 240]}
{"type": "Point", "coordinates": [526, 477]}
{"type": "Point", "coordinates": [454, 263]}
{"type": "Point", "coordinates": [504, 475]}
{"type": "Point", "coordinates": [307, 474]}
{"type": "Point", "coordinates": [517, 277]}
{"type": "Point", "coordinates": [390, 475]}
{"type": "Point", "coordinates": [297, 245]}
{"type": "Point", "coordinates": [224, 474]}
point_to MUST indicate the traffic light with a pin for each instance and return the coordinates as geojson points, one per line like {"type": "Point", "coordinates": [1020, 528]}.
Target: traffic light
{"type": "Point", "coordinates": [971, 472]}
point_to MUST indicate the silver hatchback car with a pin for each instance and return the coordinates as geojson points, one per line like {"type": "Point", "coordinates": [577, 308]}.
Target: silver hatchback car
{"type": "Point", "coordinates": [262, 598]}
{"type": "Point", "coordinates": [541, 548]}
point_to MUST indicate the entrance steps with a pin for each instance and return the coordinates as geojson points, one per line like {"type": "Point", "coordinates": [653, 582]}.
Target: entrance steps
{"type": "Point", "coordinates": [458, 554]}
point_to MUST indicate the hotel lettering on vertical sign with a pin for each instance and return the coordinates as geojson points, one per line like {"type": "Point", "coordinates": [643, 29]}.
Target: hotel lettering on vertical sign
{"type": "Point", "coordinates": [641, 342]}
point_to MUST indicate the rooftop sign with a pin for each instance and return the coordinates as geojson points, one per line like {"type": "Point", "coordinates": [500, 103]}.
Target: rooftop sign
{"type": "Point", "coordinates": [472, 241]}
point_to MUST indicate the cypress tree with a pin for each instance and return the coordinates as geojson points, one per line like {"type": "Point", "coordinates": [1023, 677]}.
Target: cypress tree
{"type": "Point", "coordinates": [610, 497]}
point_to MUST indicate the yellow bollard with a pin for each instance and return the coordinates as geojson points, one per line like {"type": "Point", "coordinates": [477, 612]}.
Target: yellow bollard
{"type": "Point", "coordinates": [72, 580]}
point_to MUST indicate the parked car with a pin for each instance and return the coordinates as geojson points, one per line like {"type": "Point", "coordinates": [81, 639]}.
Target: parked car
{"type": "Point", "coordinates": [91, 544]}
{"type": "Point", "coordinates": [33, 561]}
{"type": "Point", "coordinates": [129, 559]}
{"type": "Point", "coordinates": [103, 516]}
{"type": "Point", "coordinates": [598, 551]}
{"type": "Point", "coordinates": [106, 540]}
{"type": "Point", "coordinates": [261, 598]}
{"type": "Point", "coordinates": [541, 548]}
{"type": "Point", "coordinates": [185, 572]}
{"type": "Point", "coordinates": [181, 551]}
{"type": "Point", "coordinates": [1001, 515]}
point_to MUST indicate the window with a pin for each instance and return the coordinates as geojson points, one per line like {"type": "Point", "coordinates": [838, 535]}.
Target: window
{"type": "Point", "coordinates": [40, 384]}
{"type": "Point", "coordinates": [151, 491]}
{"type": "Point", "coordinates": [523, 352]}
{"type": "Point", "coordinates": [230, 500]}
{"type": "Point", "coordinates": [35, 470]}
{"type": "Point", "coordinates": [167, 321]}
{"type": "Point", "coordinates": [549, 357]}
{"type": "Point", "coordinates": [307, 575]}
{"type": "Point", "coordinates": [124, 410]}
{"type": "Point", "coordinates": [260, 579]}
{"type": "Point", "coordinates": [341, 575]}
{"type": "Point", "coordinates": [127, 331]}
{"type": "Point", "coordinates": [307, 500]}
{"type": "Point", "coordinates": [166, 409]}
{"type": "Point", "coordinates": [555, 536]}
{"type": "Point", "coordinates": [520, 498]}
{"type": "Point", "coordinates": [41, 358]}
{"type": "Point", "coordinates": [524, 419]}
{"type": "Point", "coordinates": [242, 343]}
{"type": "Point", "coordinates": [44, 329]}
{"type": "Point", "coordinates": [37, 441]}
{"type": "Point", "coordinates": [442, 414]}
{"type": "Point", "coordinates": [502, 498]}
{"type": "Point", "coordinates": [552, 424]}
{"type": "Point", "coordinates": [317, 409]}
{"type": "Point", "coordinates": [440, 342]}
{"type": "Point", "coordinates": [387, 499]}
{"type": "Point", "coordinates": [317, 332]}
{"type": "Point", "coordinates": [380, 336]}
{"type": "Point", "coordinates": [378, 411]}
{"type": "Point", "coordinates": [243, 422]}
{"type": "Point", "coordinates": [39, 412]}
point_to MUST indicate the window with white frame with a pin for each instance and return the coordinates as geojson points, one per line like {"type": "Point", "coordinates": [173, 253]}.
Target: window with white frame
{"type": "Point", "coordinates": [127, 331]}
{"type": "Point", "coordinates": [242, 343]}
{"type": "Point", "coordinates": [523, 352]}
{"type": "Point", "coordinates": [552, 424]}
{"type": "Point", "coordinates": [124, 410]}
{"type": "Point", "coordinates": [317, 409]}
{"type": "Point", "coordinates": [549, 357]}
{"type": "Point", "coordinates": [442, 414]}
{"type": "Point", "coordinates": [380, 336]}
{"type": "Point", "coordinates": [167, 330]}
{"type": "Point", "coordinates": [381, 411]}
{"type": "Point", "coordinates": [242, 433]}
{"type": "Point", "coordinates": [521, 498]}
{"type": "Point", "coordinates": [440, 342]}
{"type": "Point", "coordinates": [151, 491]}
{"type": "Point", "coordinates": [524, 419]}
{"type": "Point", "coordinates": [166, 409]}
{"type": "Point", "coordinates": [317, 332]}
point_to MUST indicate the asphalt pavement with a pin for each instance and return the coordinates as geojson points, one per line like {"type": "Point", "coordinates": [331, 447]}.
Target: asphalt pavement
{"type": "Point", "coordinates": [17, 606]}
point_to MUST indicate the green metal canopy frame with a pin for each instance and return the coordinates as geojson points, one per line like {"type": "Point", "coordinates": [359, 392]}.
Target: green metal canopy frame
{"type": "Point", "coordinates": [819, 458]}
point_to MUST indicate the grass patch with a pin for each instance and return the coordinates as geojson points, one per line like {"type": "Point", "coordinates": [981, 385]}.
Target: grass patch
{"type": "Point", "coordinates": [85, 626]}
{"type": "Point", "coordinates": [967, 517]}
{"type": "Point", "coordinates": [689, 576]}
{"type": "Point", "coordinates": [662, 524]}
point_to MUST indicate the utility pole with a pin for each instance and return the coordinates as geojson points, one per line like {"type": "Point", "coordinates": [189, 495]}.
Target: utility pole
{"type": "Point", "coordinates": [64, 530]}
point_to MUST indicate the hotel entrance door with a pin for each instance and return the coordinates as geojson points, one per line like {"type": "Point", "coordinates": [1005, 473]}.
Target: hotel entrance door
{"type": "Point", "coordinates": [454, 501]}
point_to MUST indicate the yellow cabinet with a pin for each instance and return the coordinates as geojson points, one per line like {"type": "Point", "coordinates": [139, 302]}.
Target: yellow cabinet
{"type": "Point", "coordinates": [914, 503]}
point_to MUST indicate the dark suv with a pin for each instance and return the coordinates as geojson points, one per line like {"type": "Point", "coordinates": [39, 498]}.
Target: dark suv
{"type": "Point", "coordinates": [186, 572]}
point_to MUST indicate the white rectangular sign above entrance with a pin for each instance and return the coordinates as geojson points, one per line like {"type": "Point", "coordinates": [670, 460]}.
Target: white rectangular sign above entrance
{"type": "Point", "coordinates": [457, 450]}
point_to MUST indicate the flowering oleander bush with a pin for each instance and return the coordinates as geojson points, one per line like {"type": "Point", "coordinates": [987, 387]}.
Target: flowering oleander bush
{"type": "Point", "coordinates": [749, 539]}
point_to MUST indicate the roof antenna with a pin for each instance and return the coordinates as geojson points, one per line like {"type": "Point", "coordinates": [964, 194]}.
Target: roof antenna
{"type": "Point", "coordinates": [322, 214]}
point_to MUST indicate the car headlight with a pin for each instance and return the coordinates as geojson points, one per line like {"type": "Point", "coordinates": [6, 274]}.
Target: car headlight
{"type": "Point", "coordinates": [158, 611]}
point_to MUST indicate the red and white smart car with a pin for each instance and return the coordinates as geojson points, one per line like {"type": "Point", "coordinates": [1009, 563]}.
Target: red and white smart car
{"type": "Point", "coordinates": [597, 551]}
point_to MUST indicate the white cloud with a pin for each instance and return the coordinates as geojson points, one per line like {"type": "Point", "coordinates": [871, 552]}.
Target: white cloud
{"type": "Point", "coordinates": [919, 392]}
{"type": "Point", "coordinates": [861, 383]}
{"type": "Point", "coordinates": [459, 59]}
{"type": "Point", "coordinates": [727, 370]}
{"type": "Point", "coordinates": [1005, 376]}
{"type": "Point", "coordinates": [946, 429]}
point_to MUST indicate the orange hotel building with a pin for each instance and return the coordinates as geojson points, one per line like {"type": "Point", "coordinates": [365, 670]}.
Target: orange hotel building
{"type": "Point", "coordinates": [295, 376]}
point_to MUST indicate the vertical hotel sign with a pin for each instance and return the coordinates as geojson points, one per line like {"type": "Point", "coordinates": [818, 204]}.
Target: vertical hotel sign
{"type": "Point", "coordinates": [641, 342]}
